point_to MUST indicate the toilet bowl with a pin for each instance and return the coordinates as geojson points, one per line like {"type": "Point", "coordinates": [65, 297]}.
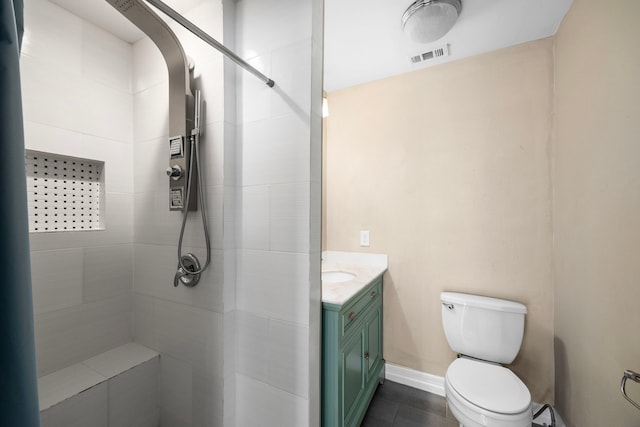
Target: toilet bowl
{"type": "Point", "coordinates": [482, 394]}
{"type": "Point", "coordinates": [485, 332]}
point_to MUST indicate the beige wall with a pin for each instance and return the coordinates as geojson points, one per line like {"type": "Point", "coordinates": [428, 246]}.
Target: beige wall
{"type": "Point", "coordinates": [449, 168]}
{"type": "Point", "coordinates": [597, 211]}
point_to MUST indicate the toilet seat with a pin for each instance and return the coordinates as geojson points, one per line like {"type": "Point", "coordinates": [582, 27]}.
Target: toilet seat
{"type": "Point", "coordinates": [484, 394]}
{"type": "Point", "coordinates": [491, 387]}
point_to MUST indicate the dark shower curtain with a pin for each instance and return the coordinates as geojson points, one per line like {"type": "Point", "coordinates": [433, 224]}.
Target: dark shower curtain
{"type": "Point", "coordinates": [18, 381]}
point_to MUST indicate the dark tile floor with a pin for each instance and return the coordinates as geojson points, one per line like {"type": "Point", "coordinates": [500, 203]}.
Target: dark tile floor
{"type": "Point", "coordinates": [397, 405]}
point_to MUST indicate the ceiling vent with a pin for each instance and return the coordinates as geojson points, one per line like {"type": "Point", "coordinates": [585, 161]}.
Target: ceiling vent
{"type": "Point", "coordinates": [439, 52]}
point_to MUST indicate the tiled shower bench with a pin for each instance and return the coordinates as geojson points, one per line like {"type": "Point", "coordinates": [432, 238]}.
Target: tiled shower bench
{"type": "Point", "coordinates": [116, 388]}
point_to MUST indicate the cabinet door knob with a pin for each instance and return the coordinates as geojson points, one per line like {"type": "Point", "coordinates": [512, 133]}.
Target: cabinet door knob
{"type": "Point", "coordinates": [373, 294]}
{"type": "Point", "coordinates": [366, 355]}
{"type": "Point", "coordinates": [352, 315]}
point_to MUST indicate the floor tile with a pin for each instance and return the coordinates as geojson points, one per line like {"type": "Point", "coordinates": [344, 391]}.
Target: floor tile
{"type": "Point", "coordinates": [382, 412]}
{"type": "Point", "coordinates": [409, 416]}
{"type": "Point", "coordinates": [398, 405]}
{"type": "Point", "coordinates": [413, 397]}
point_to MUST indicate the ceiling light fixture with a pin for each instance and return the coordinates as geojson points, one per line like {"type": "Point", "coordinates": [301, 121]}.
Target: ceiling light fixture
{"type": "Point", "coordinates": [426, 21]}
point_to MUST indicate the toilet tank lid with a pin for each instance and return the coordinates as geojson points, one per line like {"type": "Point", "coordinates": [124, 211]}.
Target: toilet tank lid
{"type": "Point", "coordinates": [483, 302]}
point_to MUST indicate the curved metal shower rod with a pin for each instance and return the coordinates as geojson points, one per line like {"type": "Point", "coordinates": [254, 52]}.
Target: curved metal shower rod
{"type": "Point", "coordinates": [164, 8]}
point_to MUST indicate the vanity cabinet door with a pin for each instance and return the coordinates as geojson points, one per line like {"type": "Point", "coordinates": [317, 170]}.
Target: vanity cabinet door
{"type": "Point", "coordinates": [353, 372]}
{"type": "Point", "coordinates": [373, 353]}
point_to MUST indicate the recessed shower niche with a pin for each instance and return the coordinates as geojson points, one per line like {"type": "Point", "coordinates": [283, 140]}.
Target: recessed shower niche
{"type": "Point", "coordinates": [64, 193]}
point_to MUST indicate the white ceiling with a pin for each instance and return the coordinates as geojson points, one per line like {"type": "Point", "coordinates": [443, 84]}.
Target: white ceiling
{"type": "Point", "coordinates": [102, 14]}
{"type": "Point", "coordinates": [363, 38]}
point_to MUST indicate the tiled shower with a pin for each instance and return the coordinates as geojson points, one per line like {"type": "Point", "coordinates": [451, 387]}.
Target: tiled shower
{"type": "Point", "coordinates": [241, 348]}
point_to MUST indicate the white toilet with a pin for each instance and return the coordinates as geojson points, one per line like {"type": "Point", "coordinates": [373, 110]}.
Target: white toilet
{"type": "Point", "coordinates": [485, 332]}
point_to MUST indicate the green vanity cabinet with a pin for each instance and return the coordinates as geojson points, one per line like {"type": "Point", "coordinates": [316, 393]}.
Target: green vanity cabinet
{"type": "Point", "coordinates": [352, 363]}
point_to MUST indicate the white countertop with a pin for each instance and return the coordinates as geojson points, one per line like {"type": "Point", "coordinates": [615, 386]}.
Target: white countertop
{"type": "Point", "coordinates": [366, 268]}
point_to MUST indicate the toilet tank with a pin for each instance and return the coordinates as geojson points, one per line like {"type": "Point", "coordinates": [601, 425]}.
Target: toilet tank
{"type": "Point", "coordinates": [482, 327]}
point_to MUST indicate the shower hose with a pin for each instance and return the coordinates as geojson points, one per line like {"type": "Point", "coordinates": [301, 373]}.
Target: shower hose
{"type": "Point", "coordinates": [195, 150]}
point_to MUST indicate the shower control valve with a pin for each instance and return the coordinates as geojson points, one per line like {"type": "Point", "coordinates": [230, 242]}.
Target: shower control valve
{"type": "Point", "coordinates": [175, 172]}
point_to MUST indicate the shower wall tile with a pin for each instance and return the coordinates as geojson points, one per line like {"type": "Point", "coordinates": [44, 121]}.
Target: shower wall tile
{"type": "Point", "coordinates": [118, 161]}
{"type": "Point", "coordinates": [105, 112]}
{"type": "Point", "coordinates": [229, 276]}
{"type": "Point", "coordinates": [176, 393]}
{"type": "Point", "coordinates": [89, 408]}
{"type": "Point", "coordinates": [143, 322]}
{"type": "Point", "coordinates": [267, 26]}
{"type": "Point", "coordinates": [275, 151]}
{"type": "Point", "coordinates": [229, 382]}
{"type": "Point", "coordinates": [252, 345]}
{"type": "Point", "coordinates": [273, 352]}
{"type": "Point", "coordinates": [51, 95]}
{"type": "Point", "coordinates": [191, 335]}
{"type": "Point", "coordinates": [155, 267]}
{"type": "Point", "coordinates": [229, 218]}
{"type": "Point", "coordinates": [155, 224]}
{"type": "Point", "coordinates": [256, 217]}
{"type": "Point", "coordinates": [134, 396]}
{"type": "Point", "coordinates": [212, 153]}
{"type": "Point", "coordinates": [151, 161]}
{"type": "Point", "coordinates": [278, 151]}
{"type": "Point", "coordinates": [155, 270]}
{"type": "Point", "coordinates": [56, 278]}
{"type": "Point", "coordinates": [276, 217]}
{"type": "Point", "coordinates": [255, 97]}
{"type": "Point", "coordinates": [118, 219]}
{"type": "Point", "coordinates": [52, 139]}
{"type": "Point", "coordinates": [288, 357]}
{"type": "Point", "coordinates": [151, 112]}
{"type": "Point", "coordinates": [291, 67]}
{"type": "Point", "coordinates": [149, 68]}
{"type": "Point", "coordinates": [212, 90]}
{"type": "Point", "coordinates": [117, 155]}
{"type": "Point", "coordinates": [267, 405]}
{"type": "Point", "coordinates": [208, 63]}
{"type": "Point", "coordinates": [105, 58]}
{"type": "Point", "coordinates": [107, 271]}
{"type": "Point", "coordinates": [274, 285]}
{"type": "Point", "coordinates": [53, 35]}
{"type": "Point", "coordinates": [64, 99]}
{"type": "Point", "coordinates": [70, 335]}
{"type": "Point", "coordinates": [231, 150]}
{"type": "Point", "coordinates": [208, 16]}
{"type": "Point", "coordinates": [208, 400]}
{"type": "Point", "coordinates": [229, 331]}
{"type": "Point", "coordinates": [290, 212]}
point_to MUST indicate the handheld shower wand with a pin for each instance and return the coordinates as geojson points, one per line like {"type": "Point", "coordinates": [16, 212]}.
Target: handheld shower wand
{"type": "Point", "coordinates": [189, 270]}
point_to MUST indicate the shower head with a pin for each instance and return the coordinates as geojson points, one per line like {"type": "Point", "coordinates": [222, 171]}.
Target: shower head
{"type": "Point", "coordinates": [181, 102]}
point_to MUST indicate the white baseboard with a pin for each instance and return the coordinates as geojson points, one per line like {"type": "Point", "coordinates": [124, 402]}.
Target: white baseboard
{"type": "Point", "coordinates": [416, 379]}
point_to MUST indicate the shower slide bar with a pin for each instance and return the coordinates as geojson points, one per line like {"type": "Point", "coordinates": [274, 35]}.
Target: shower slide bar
{"type": "Point", "coordinates": [633, 376]}
{"type": "Point", "coordinates": [209, 40]}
